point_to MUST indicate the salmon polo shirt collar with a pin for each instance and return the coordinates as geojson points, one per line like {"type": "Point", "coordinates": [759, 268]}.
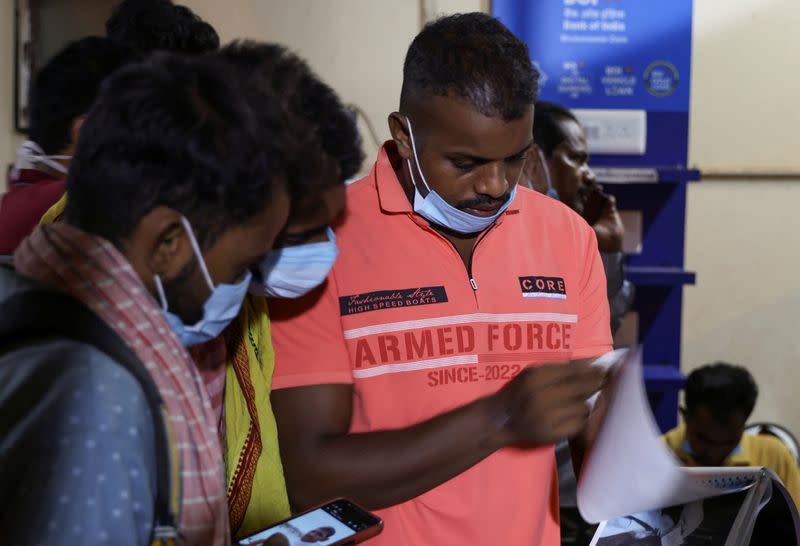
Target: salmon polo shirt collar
{"type": "Point", "coordinates": [392, 197]}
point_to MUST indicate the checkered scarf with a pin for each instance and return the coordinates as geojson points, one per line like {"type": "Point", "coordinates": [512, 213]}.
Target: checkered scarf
{"type": "Point", "coordinates": [93, 271]}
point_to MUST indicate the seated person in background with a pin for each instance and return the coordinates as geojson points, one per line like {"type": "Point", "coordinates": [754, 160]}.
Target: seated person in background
{"type": "Point", "coordinates": [560, 168]}
{"type": "Point", "coordinates": [143, 27]}
{"type": "Point", "coordinates": [719, 399]}
{"type": "Point", "coordinates": [60, 97]}
{"type": "Point", "coordinates": [175, 194]}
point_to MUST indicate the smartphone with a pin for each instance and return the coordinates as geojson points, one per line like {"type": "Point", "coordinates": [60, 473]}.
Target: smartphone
{"type": "Point", "coordinates": [336, 523]}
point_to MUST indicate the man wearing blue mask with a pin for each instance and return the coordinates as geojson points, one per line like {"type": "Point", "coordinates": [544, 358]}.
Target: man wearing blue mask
{"type": "Point", "coordinates": [449, 347]}
{"type": "Point", "coordinates": [321, 148]}
{"type": "Point", "coordinates": [176, 194]}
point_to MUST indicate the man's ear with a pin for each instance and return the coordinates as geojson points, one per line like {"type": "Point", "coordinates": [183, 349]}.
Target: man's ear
{"type": "Point", "coordinates": [398, 127]}
{"type": "Point", "coordinates": [158, 246]}
{"type": "Point", "coordinates": [536, 171]}
{"type": "Point", "coordinates": [75, 132]}
{"type": "Point", "coordinates": [160, 243]}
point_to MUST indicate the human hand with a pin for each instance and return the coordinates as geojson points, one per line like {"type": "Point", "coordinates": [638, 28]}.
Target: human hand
{"type": "Point", "coordinates": [544, 404]}
{"type": "Point", "coordinates": [609, 228]}
{"type": "Point", "coordinates": [595, 202]}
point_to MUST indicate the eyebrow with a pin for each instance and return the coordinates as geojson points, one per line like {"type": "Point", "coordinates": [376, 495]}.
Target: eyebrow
{"type": "Point", "coordinates": [482, 160]}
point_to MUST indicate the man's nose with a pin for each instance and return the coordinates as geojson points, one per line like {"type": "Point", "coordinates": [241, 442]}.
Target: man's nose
{"type": "Point", "coordinates": [494, 181]}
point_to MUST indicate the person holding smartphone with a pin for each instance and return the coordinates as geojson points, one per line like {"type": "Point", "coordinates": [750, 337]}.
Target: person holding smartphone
{"type": "Point", "coordinates": [450, 346]}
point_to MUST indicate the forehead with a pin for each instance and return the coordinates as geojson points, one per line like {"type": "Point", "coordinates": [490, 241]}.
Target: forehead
{"type": "Point", "coordinates": [574, 137]}
{"type": "Point", "coordinates": [454, 125]}
{"type": "Point", "coordinates": [257, 235]}
{"type": "Point", "coordinates": [702, 418]}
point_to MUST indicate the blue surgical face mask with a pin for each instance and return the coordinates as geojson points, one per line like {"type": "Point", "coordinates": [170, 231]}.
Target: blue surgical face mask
{"type": "Point", "coordinates": [437, 210]}
{"type": "Point", "coordinates": [293, 271]}
{"type": "Point", "coordinates": [221, 307]}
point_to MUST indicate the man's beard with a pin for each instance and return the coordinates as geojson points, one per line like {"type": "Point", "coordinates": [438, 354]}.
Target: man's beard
{"type": "Point", "coordinates": [181, 299]}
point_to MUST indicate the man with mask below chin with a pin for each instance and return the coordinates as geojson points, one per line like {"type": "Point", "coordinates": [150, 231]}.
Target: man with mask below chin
{"type": "Point", "coordinates": [60, 96]}
{"type": "Point", "coordinates": [324, 150]}
{"type": "Point", "coordinates": [175, 195]}
{"type": "Point", "coordinates": [421, 379]}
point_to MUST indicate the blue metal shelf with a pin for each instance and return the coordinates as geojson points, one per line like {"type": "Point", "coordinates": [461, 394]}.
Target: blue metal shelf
{"type": "Point", "coordinates": [659, 276]}
{"type": "Point", "coordinates": [663, 376]}
{"type": "Point", "coordinates": [663, 383]}
{"type": "Point", "coordinates": [645, 175]}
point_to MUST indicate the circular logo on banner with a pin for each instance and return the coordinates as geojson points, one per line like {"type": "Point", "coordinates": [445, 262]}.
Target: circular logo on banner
{"type": "Point", "coordinates": [661, 79]}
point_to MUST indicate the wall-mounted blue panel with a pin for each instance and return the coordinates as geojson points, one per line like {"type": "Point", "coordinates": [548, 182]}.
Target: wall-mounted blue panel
{"type": "Point", "coordinates": [614, 54]}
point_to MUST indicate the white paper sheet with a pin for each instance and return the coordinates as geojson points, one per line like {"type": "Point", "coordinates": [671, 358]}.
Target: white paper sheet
{"type": "Point", "coordinates": [627, 466]}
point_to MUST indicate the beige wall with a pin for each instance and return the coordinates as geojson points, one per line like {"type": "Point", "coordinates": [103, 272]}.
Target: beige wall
{"type": "Point", "coordinates": [742, 242]}
{"type": "Point", "coordinates": [357, 46]}
{"type": "Point", "coordinates": [741, 234]}
{"type": "Point", "coordinates": [8, 137]}
{"type": "Point", "coordinates": [745, 86]}
{"type": "Point", "coordinates": [744, 118]}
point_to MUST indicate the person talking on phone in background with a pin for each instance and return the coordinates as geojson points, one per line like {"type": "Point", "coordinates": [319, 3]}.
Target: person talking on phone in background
{"type": "Point", "coordinates": [560, 168]}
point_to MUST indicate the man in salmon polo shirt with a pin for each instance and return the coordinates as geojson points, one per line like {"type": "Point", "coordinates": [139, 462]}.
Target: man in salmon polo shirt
{"type": "Point", "coordinates": [449, 348]}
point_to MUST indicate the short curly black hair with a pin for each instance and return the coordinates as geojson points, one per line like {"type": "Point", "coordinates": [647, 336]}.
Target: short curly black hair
{"type": "Point", "coordinates": [475, 57]}
{"type": "Point", "coordinates": [67, 86]}
{"type": "Point", "coordinates": [146, 26]}
{"type": "Point", "coordinates": [547, 131]}
{"type": "Point", "coordinates": [721, 388]}
{"type": "Point", "coordinates": [172, 131]}
{"type": "Point", "coordinates": [317, 118]}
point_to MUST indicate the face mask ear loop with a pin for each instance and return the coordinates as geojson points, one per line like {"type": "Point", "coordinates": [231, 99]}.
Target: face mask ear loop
{"type": "Point", "coordinates": [522, 170]}
{"type": "Point", "coordinates": [160, 291]}
{"type": "Point", "coordinates": [416, 158]}
{"type": "Point", "coordinates": [545, 168]}
{"type": "Point", "coordinates": [196, 249]}
{"type": "Point", "coordinates": [34, 153]}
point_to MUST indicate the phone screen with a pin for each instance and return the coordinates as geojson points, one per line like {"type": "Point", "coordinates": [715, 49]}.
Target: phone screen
{"type": "Point", "coordinates": [323, 526]}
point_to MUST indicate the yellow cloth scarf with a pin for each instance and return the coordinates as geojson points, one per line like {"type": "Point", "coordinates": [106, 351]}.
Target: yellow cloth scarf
{"type": "Point", "coordinates": [257, 494]}
{"type": "Point", "coordinates": [55, 212]}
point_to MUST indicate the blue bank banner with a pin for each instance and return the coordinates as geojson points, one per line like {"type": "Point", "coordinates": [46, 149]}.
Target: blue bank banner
{"type": "Point", "coordinates": [607, 53]}
{"type": "Point", "coordinates": [614, 54]}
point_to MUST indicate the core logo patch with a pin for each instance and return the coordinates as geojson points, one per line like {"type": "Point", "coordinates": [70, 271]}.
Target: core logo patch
{"type": "Point", "coordinates": [543, 287]}
{"type": "Point", "coordinates": [391, 299]}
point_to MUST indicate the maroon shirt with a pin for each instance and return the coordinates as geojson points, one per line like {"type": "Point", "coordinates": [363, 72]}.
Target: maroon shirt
{"type": "Point", "coordinates": [31, 193]}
